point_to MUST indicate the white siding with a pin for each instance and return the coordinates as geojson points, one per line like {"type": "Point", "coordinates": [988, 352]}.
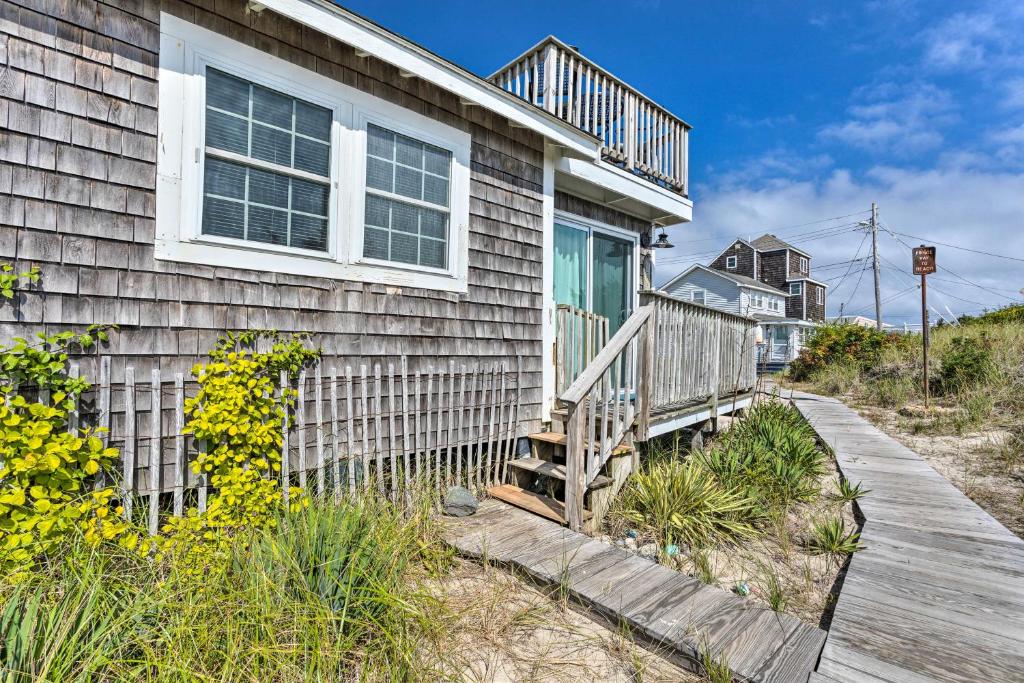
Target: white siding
{"type": "Point", "coordinates": [720, 293]}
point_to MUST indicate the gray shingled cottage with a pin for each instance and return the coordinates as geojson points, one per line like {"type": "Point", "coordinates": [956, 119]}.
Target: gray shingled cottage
{"type": "Point", "coordinates": [183, 168]}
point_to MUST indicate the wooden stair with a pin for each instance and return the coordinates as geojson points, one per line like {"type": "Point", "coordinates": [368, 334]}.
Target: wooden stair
{"type": "Point", "coordinates": [533, 502]}
{"type": "Point", "coordinates": [545, 471]}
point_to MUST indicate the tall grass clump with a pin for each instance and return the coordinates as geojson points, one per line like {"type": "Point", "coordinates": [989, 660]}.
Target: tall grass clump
{"type": "Point", "coordinates": [329, 593]}
{"type": "Point", "coordinates": [771, 456]}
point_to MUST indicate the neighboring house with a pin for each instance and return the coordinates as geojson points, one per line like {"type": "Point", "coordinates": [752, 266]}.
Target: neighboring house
{"type": "Point", "coordinates": [766, 279]}
{"type": "Point", "coordinates": [180, 168]}
{"type": "Point", "coordinates": [861, 321]}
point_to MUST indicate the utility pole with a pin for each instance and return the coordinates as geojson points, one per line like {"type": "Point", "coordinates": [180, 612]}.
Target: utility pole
{"type": "Point", "coordinates": [874, 257]}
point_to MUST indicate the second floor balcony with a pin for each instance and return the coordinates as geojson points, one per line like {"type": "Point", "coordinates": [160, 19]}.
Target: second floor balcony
{"type": "Point", "coordinates": [636, 133]}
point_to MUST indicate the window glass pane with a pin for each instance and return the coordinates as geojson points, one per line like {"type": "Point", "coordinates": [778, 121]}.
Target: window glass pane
{"type": "Point", "coordinates": [409, 152]}
{"type": "Point", "coordinates": [379, 174]}
{"type": "Point", "coordinates": [227, 92]}
{"type": "Point", "coordinates": [570, 266]}
{"type": "Point", "coordinates": [309, 197]}
{"type": "Point", "coordinates": [224, 179]}
{"type": "Point", "coordinates": [435, 190]}
{"type": "Point", "coordinates": [433, 253]}
{"type": "Point", "coordinates": [380, 142]}
{"type": "Point", "coordinates": [272, 107]}
{"type": "Point", "coordinates": [405, 218]}
{"type": "Point", "coordinates": [268, 188]}
{"type": "Point", "coordinates": [375, 243]}
{"type": "Point", "coordinates": [268, 225]}
{"type": "Point", "coordinates": [438, 161]}
{"type": "Point", "coordinates": [227, 132]}
{"type": "Point", "coordinates": [408, 182]}
{"type": "Point", "coordinates": [309, 232]}
{"type": "Point", "coordinates": [223, 217]}
{"type": "Point", "coordinates": [377, 211]}
{"type": "Point", "coordinates": [312, 156]}
{"type": "Point", "coordinates": [433, 224]}
{"type": "Point", "coordinates": [313, 121]}
{"type": "Point", "coordinates": [404, 247]}
{"type": "Point", "coordinates": [270, 144]}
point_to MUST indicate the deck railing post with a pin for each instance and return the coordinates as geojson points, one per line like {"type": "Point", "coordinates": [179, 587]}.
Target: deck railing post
{"type": "Point", "coordinates": [550, 79]}
{"type": "Point", "coordinates": [645, 377]}
{"type": "Point", "coordinates": [575, 468]}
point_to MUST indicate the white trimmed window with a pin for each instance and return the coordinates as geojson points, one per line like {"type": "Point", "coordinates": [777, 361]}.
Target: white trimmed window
{"type": "Point", "coordinates": [268, 166]}
{"type": "Point", "coordinates": [803, 264]}
{"type": "Point", "coordinates": [757, 301]}
{"type": "Point", "coordinates": [730, 262]}
{"type": "Point", "coordinates": [819, 295]}
{"type": "Point", "coordinates": [697, 296]}
{"type": "Point", "coordinates": [796, 288]}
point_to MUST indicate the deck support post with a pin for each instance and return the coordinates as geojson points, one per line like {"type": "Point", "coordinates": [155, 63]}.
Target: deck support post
{"type": "Point", "coordinates": [645, 376]}
{"type": "Point", "coordinates": [575, 470]}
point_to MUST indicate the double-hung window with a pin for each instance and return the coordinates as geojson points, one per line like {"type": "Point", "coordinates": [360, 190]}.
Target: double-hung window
{"type": "Point", "coordinates": [730, 262]}
{"type": "Point", "coordinates": [697, 296]}
{"type": "Point", "coordinates": [803, 264]}
{"type": "Point", "coordinates": [796, 288]}
{"type": "Point", "coordinates": [819, 295]}
{"type": "Point", "coordinates": [407, 199]}
{"type": "Point", "coordinates": [267, 165]}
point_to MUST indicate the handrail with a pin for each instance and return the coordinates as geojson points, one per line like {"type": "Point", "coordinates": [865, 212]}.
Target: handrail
{"type": "Point", "coordinates": [603, 360]}
{"type": "Point", "coordinates": [648, 294]}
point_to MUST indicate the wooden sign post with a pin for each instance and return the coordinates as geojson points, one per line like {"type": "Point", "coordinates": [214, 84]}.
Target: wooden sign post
{"type": "Point", "coordinates": [924, 264]}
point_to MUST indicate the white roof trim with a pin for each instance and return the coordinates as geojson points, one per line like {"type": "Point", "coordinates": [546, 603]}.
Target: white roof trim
{"type": "Point", "coordinates": [731, 245]}
{"type": "Point", "coordinates": [413, 59]}
{"type": "Point", "coordinates": [809, 279]}
{"type": "Point", "coordinates": [724, 276]}
{"type": "Point", "coordinates": [665, 207]}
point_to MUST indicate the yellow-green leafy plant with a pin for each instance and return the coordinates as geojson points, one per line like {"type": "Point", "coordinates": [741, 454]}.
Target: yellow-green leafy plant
{"type": "Point", "coordinates": [9, 280]}
{"type": "Point", "coordinates": [45, 464]}
{"type": "Point", "coordinates": [237, 418]}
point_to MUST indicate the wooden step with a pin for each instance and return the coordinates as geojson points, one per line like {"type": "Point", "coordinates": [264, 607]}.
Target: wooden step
{"type": "Point", "coordinates": [533, 502]}
{"type": "Point", "coordinates": [560, 439]}
{"type": "Point", "coordinates": [555, 471]}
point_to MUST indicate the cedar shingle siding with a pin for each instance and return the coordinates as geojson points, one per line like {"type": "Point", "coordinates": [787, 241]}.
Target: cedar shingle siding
{"type": "Point", "coordinates": [772, 267]}
{"type": "Point", "coordinates": [794, 305]}
{"type": "Point", "coordinates": [744, 260]}
{"type": "Point", "coordinates": [794, 265]}
{"type": "Point", "coordinates": [78, 98]}
{"type": "Point", "coordinates": [815, 311]}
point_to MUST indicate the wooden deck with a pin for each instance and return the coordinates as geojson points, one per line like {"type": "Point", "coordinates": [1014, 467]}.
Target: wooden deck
{"type": "Point", "coordinates": [670, 611]}
{"type": "Point", "coordinates": [938, 595]}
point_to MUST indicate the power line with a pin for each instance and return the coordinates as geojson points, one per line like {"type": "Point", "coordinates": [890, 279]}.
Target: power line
{"type": "Point", "coordinates": [778, 229]}
{"type": "Point", "coordinates": [957, 246]}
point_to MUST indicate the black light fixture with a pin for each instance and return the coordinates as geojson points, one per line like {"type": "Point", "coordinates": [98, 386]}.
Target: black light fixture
{"type": "Point", "coordinates": [662, 241]}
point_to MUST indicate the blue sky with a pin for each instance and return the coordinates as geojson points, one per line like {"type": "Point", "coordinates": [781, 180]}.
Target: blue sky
{"type": "Point", "coordinates": [803, 111]}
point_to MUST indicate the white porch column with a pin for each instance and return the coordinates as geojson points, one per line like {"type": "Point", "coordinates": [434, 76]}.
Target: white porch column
{"type": "Point", "coordinates": [548, 278]}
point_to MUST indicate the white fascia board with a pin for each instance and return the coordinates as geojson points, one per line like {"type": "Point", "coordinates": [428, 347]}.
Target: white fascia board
{"type": "Point", "coordinates": [353, 30]}
{"type": "Point", "coordinates": [808, 279]}
{"type": "Point", "coordinates": [670, 207]}
{"type": "Point", "coordinates": [678, 277]}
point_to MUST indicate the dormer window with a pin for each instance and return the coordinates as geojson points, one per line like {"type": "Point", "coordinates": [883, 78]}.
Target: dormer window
{"type": "Point", "coordinates": [796, 288]}
{"type": "Point", "coordinates": [804, 265]}
{"type": "Point", "coordinates": [730, 262]}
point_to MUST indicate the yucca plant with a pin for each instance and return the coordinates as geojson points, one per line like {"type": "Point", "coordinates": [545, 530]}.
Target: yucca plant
{"type": "Point", "coordinates": [831, 537]}
{"type": "Point", "coordinates": [849, 492]}
{"type": "Point", "coordinates": [683, 502]}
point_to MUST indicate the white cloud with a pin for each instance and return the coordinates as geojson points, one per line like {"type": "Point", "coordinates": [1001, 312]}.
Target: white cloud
{"type": "Point", "coordinates": [957, 204]}
{"type": "Point", "coordinates": [894, 117]}
{"type": "Point", "coordinates": [1014, 93]}
{"type": "Point", "coordinates": [982, 39]}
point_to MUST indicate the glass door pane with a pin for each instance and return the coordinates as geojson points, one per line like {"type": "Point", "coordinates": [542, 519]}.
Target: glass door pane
{"type": "Point", "coordinates": [570, 266]}
{"type": "Point", "coordinates": [612, 279]}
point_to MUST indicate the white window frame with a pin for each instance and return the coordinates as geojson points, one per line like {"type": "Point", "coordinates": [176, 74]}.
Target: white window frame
{"type": "Point", "coordinates": [185, 52]}
{"type": "Point", "coordinates": [590, 227]}
{"type": "Point", "coordinates": [819, 295]}
{"type": "Point", "coordinates": [730, 262]}
{"type": "Point", "coordinates": [799, 288]}
{"type": "Point", "coordinates": [804, 264]}
{"type": "Point", "coordinates": [703, 296]}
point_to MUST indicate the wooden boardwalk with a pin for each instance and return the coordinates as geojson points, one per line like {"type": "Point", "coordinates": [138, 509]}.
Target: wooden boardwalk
{"type": "Point", "coordinates": [673, 612]}
{"type": "Point", "coordinates": [938, 595]}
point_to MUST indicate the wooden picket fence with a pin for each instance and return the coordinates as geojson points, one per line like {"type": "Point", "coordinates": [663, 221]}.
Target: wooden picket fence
{"type": "Point", "coordinates": [378, 429]}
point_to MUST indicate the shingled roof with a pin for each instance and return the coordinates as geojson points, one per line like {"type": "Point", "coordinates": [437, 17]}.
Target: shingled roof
{"type": "Point", "coordinates": [768, 242]}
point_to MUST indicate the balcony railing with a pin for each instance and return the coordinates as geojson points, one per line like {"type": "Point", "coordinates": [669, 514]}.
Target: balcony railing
{"type": "Point", "coordinates": [636, 133]}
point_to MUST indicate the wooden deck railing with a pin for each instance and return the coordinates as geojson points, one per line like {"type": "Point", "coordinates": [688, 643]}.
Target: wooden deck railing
{"type": "Point", "coordinates": [636, 133]}
{"type": "Point", "coordinates": [600, 408]}
{"type": "Point", "coordinates": [579, 336]}
{"type": "Point", "coordinates": [668, 355]}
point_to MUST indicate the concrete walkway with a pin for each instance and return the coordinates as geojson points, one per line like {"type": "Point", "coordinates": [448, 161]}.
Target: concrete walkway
{"type": "Point", "coordinates": [676, 613]}
{"type": "Point", "coordinates": [938, 595]}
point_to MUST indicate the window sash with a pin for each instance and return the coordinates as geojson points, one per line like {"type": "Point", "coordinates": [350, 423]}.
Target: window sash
{"type": "Point", "coordinates": [730, 261]}
{"type": "Point", "coordinates": [796, 288]}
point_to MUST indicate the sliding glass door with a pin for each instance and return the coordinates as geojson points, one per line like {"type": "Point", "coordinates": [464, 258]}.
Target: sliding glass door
{"type": "Point", "coordinates": [594, 270]}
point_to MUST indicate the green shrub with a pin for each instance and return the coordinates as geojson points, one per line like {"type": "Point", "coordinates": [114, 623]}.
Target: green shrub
{"type": "Point", "coordinates": [892, 391]}
{"type": "Point", "coordinates": [966, 363]}
{"type": "Point", "coordinates": [683, 502]}
{"type": "Point", "coordinates": [843, 344]}
{"type": "Point", "coordinates": [838, 379]}
{"type": "Point", "coordinates": [1013, 313]}
{"type": "Point", "coordinates": [771, 456]}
